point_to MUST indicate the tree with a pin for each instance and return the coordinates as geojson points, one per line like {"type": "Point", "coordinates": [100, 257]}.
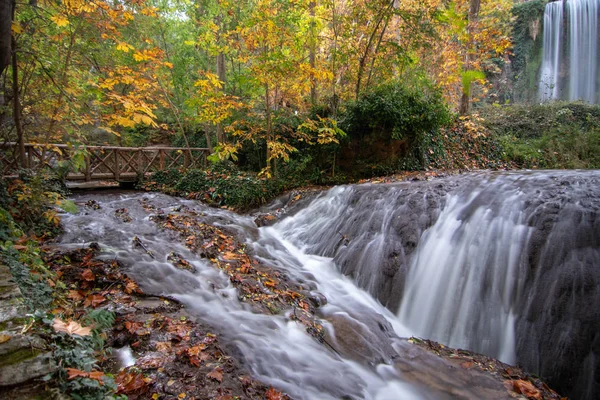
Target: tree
{"type": "Point", "coordinates": [473, 15]}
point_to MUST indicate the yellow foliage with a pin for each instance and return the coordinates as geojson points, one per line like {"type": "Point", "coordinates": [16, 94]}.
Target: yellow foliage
{"type": "Point", "coordinates": [60, 20]}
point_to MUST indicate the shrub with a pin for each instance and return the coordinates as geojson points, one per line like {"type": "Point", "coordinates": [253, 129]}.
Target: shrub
{"type": "Point", "coordinates": [395, 112]}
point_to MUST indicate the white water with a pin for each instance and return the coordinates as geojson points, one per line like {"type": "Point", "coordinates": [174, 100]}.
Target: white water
{"type": "Point", "coordinates": [569, 68]}
{"type": "Point", "coordinates": [465, 277]}
{"type": "Point", "coordinates": [549, 88]}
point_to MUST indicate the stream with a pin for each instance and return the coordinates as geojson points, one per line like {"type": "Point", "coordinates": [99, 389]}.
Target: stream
{"type": "Point", "coordinates": [500, 263]}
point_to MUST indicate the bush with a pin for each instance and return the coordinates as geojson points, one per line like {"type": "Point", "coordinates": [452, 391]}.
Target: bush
{"type": "Point", "coordinates": [395, 111]}
{"type": "Point", "coordinates": [401, 120]}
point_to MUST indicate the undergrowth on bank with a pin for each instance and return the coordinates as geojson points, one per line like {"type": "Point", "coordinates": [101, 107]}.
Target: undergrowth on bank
{"type": "Point", "coordinates": [557, 135]}
{"type": "Point", "coordinates": [29, 215]}
{"type": "Point", "coordinates": [224, 185]}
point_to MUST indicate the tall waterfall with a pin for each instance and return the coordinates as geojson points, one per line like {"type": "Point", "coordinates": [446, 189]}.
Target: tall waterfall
{"type": "Point", "coordinates": [569, 68]}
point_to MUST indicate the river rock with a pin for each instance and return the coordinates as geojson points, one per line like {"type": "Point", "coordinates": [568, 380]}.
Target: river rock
{"type": "Point", "coordinates": [265, 220]}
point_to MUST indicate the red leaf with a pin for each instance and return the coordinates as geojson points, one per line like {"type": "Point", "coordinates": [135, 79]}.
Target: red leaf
{"type": "Point", "coordinates": [216, 374]}
{"type": "Point", "coordinates": [130, 383]}
{"type": "Point", "coordinates": [88, 275]}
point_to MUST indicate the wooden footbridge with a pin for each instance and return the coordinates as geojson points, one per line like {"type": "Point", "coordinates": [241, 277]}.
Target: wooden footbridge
{"type": "Point", "coordinates": [102, 162]}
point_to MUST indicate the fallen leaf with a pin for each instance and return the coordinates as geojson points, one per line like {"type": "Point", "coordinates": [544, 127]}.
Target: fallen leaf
{"type": "Point", "coordinates": [216, 374]}
{"type": "Point", "coordinates": [163, 347]}
{"type": "Point", "coordinates": [4, 338]}
{"type": "Point", "coordinates": [95, 375]}
{"type": "Point", "coordinates": [527, 389]}
{"type": "Point", "coordinates": [128, 383]}
{"type": "Point", "coordinates": [72, 328]}
{"type": "Point", "coordinates": [273, 394]}
{"type": "Point", "coordinates": [94, 300]}
{"type": "Point", "coordinates": [88, 275]}
{"type": "Point", "coordinates": [133, 326]}
{"type": "Point", "coordinates": [75, 295]}
{"type": "Point", "coordinates": [132, 287]}
{"type": "Point", "coordinates": [195, 350]}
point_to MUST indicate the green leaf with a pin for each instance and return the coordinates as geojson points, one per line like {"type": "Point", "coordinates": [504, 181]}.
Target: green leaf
{"type": "Point", "coordinates": [68, 206]}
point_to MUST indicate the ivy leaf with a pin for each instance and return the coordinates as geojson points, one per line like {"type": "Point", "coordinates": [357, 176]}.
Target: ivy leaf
{"type": "Point", "coordinates": [68, 206]}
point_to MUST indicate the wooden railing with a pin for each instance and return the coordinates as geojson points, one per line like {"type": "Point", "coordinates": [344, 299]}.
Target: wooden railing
{"type": "Point", "coordinates": [103, 162]}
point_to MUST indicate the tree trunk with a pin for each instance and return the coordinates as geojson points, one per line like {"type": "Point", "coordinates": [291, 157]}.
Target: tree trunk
{"type": "Point", "coordinates": [208, 138]}
{"type": "Point", "coordinates": [17, 106]}
{"type": "Point", "coordinates": [465, 99]}
{"type": "Point", "coordinates": [363, 60]}
{"type": "Point", "coordinates": [269, 128]}
{"type": "Point", "coordinates": [312, 55]}
{"type": "Point", "coordinates": [221, 74]}
{"type": "Point", "coordinates": [6, 18]}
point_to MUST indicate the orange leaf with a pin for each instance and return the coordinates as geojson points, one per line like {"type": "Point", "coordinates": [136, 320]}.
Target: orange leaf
{"type": "Point", "coordinates": [527, 389]}
{"type": "Point", "coordinates": [94, 300]}
{"type": "Point", "coordinates": [194, 351]}
{"type": "Point", "coordinates": [74, 373]}
{"type": "Point", "coordinates": [163, 347]}
{"type": "Point", "coordinates": [132, 287]}
{"type": "Point", "coordinates": [75, 295]}
{"type": "Point", "coordinates": [273, 394]}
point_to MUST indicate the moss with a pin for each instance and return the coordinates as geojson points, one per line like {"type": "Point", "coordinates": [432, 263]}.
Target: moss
{"type": "Point", "coordinates": [13, 323]}
{"type": "Point", "coordinates": [19, 356]}
{"type": "Point", "coordinates": [527, 39]}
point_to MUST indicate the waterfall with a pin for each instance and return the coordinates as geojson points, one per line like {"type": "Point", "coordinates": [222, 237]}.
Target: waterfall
{"type": "Point", "coordinates": [569, 69]}
{"type": "Point", "coordinates": [553, 19]}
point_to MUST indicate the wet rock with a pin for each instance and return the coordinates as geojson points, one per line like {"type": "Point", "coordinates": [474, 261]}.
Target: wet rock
{"type": "Point", "coordinates": [265, 220]}
{"type": "Point", "coordinates": [93, 204]}
{"type": "Point", "coordinates": [179, 262]}
{"type": "Point", "coordinates": [317, 299]}
{"type": "Point", "coordinates": [353, 338]}
{"type": "Point", "coordinates": [23, 358]}
{"type": "Point", "coordinates": [34, 366]}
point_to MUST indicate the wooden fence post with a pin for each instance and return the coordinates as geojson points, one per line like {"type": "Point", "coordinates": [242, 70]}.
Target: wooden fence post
{"type": "Point", "coordinates": [88, 167]}
{"type": "Point", "coordinates": [186, 158]}
{"type": "Point", "coordinates": [117, 170]}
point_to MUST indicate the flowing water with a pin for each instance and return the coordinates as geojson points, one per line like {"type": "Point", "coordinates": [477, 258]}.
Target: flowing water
{"type": "Point", "coordinates": [569, 68]}
{"type": "Point", "coordinates": [371, 355]}
{"type": "Point", "coordinates": [501, 263]}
